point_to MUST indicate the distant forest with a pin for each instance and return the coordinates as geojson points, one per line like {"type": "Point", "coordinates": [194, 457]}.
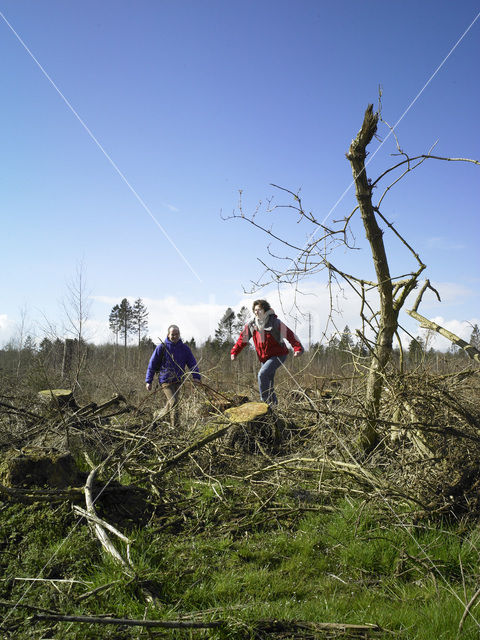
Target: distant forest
{"type": "Point", "coordinates": [54, 361]}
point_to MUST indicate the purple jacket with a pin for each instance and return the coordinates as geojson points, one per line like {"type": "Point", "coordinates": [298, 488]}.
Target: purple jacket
{"type": "Point", "coordinates": [170, 359]}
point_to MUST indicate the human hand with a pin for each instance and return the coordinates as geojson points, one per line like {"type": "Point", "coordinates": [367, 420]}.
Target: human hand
{"type": "Point", "coordinates": [297, 353]}
{"type": "Point", "coordinates": [149, 386]}
{"type": "Point", "coordinates": [232, 356]}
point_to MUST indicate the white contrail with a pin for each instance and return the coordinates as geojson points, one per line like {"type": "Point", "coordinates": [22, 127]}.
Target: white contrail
{"type": "Point", "coordinates": [107, 156]}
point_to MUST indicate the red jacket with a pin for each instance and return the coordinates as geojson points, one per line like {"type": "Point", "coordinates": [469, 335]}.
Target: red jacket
{"type": "Point", "coordinates": [269, 342]}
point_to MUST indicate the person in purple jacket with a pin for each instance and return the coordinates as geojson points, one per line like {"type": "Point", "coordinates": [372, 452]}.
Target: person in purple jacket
{"type": "Point", "coordinates": [170, 359]}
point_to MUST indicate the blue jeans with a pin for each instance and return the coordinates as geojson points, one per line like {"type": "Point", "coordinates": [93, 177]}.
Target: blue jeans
{"type": "Point", "coordinates": [266, 376]}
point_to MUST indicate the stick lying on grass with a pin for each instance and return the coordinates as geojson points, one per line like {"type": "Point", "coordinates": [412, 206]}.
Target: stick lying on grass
{"type": "Point", "coordinates": [263, 625]}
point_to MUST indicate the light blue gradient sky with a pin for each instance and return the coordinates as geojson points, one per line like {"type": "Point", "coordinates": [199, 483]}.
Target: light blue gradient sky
{"type": "Point", "coordinates": [194, 101]}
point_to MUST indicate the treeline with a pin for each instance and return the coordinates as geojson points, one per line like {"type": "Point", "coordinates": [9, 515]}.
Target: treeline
{"type": "Point", "coordinates": [56, 361]}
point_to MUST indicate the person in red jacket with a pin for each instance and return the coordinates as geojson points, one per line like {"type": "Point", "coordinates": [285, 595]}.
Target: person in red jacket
{"type": "Point", "coordinates": [268, 334]}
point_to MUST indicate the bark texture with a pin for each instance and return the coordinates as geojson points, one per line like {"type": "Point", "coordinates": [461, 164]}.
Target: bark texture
{"type": "Point", "coordinates": [388, 313]}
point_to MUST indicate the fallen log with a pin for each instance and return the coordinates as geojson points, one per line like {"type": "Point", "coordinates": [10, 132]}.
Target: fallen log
{"type": "Point", "coordinates": [40, 495]}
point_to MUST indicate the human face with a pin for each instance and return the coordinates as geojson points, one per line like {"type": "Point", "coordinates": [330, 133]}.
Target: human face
{"type": "Point", "coordinates": [174, 334]}
{"type": "Point", "coordinates": [259, 312]}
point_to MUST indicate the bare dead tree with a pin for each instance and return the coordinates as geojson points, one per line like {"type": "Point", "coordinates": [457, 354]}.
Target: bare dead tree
{"type": "Point", "coordinates": [76, 307]}
{"type": "Point", "coordinates": [379, 325]}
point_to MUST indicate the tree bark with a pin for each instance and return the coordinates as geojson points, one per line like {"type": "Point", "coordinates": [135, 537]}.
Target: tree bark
{"type": "Point", "coordinates": [388, 314]}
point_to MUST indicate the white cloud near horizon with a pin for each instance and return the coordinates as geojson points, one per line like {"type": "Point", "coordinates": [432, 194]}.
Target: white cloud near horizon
{"type": "Point", "coordinates": [307, 313]}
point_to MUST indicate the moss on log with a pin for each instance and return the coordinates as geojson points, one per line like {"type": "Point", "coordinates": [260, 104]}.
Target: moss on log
{"type": "Point", "coordinates": [39, 467]}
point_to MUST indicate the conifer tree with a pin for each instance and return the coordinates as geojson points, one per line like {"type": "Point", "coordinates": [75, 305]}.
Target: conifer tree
{"type": "Point", "coordinates": [139, 320]}
{"type": "Point", "coordinates": [114, 322]}
{"type": "Point", "coordinates": [125, 321]}
{"type": "Point", "coordinates": [475, 337]}
{"type": "Point", "coordinates": [346, 340]}
{"type": "Point", "coordinates": [224, 331]}
{"type": "Point", "coordinates": [241, 319]}
{"type": "Point", "coordinates": [415, 350]}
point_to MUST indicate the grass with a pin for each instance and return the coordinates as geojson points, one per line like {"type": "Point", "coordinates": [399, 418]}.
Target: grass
{"type": "Point", "coordinates": [348, 566]}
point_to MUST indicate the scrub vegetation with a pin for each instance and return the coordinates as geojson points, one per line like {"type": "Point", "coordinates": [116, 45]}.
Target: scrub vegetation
{"type": "Point", "coordinates": [290, 531]}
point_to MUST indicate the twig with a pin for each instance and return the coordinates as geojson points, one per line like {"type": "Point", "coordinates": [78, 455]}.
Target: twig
{"type": "Point", "coordinates": [130, 622]}
{"type": "Point", "coordinates": [24, 411]}
{"type": "Point", "coordinates": [168, 464]}
{"type": "Point", "coordinates": [92, 592]}
{"type": "Point", "coordinates": [467, 611]}
{"type": "Point", "coordinates": [95, 519]}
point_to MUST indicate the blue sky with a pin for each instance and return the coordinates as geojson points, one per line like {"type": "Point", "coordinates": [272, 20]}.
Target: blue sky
{"type": "Point", "coordinates": [194, 101]}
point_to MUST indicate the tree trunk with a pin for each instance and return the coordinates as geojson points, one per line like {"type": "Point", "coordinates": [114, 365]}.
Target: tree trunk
{"type": "Point", "coordinates": [388, 315]}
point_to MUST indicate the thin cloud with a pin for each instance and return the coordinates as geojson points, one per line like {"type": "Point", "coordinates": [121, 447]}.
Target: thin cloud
{"type": "Point", "coordinates": [102, 149]}
{"type": "Point", "coordinates": [171, 207]}
{"type": "Point", "coordinates": [443, 244]}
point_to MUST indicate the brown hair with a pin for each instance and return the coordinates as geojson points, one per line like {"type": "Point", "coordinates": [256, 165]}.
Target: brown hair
{"type": "Point", "coordinates": [261, 303]}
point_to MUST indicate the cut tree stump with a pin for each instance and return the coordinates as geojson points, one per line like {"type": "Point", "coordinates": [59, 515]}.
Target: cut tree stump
{"type": "Point", "coordinates": [248, 412]}
{"type": "Point", "coordinates": [253, 423]}
{"type": "Point", "coordinates": [40, 467]}
{"type": "Point", "coordinates": [57, 398]}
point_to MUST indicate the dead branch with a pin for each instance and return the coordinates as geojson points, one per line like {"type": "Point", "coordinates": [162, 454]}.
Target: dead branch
{"type": "Point", "coordinates": [131, 622]}
{"type": "Point", "coordinates": [21, 411]}
{"type": "Point", "coordinates": [171, 462]}
{"type": "Point", "coordinates": [23, 605]}
{"type": "Point", "coordinates": [98, 528]}
{"type": "Point", "coordinates": [266, 626]}
{"type": "Point", "coordinates": [426, 285]}
{"type": "Point", "coordinates": [470, 604]}
{"type": "Point", "coordinates": [40, 495]}
{"type": "Point", "coordinates": [429, 324]}
{"type": "Point", "coordinates": [97, 590]}
{"type": "Point", "coordinates": [355, 470]}
{"type": "Point", "coordinates": [96, 520]}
